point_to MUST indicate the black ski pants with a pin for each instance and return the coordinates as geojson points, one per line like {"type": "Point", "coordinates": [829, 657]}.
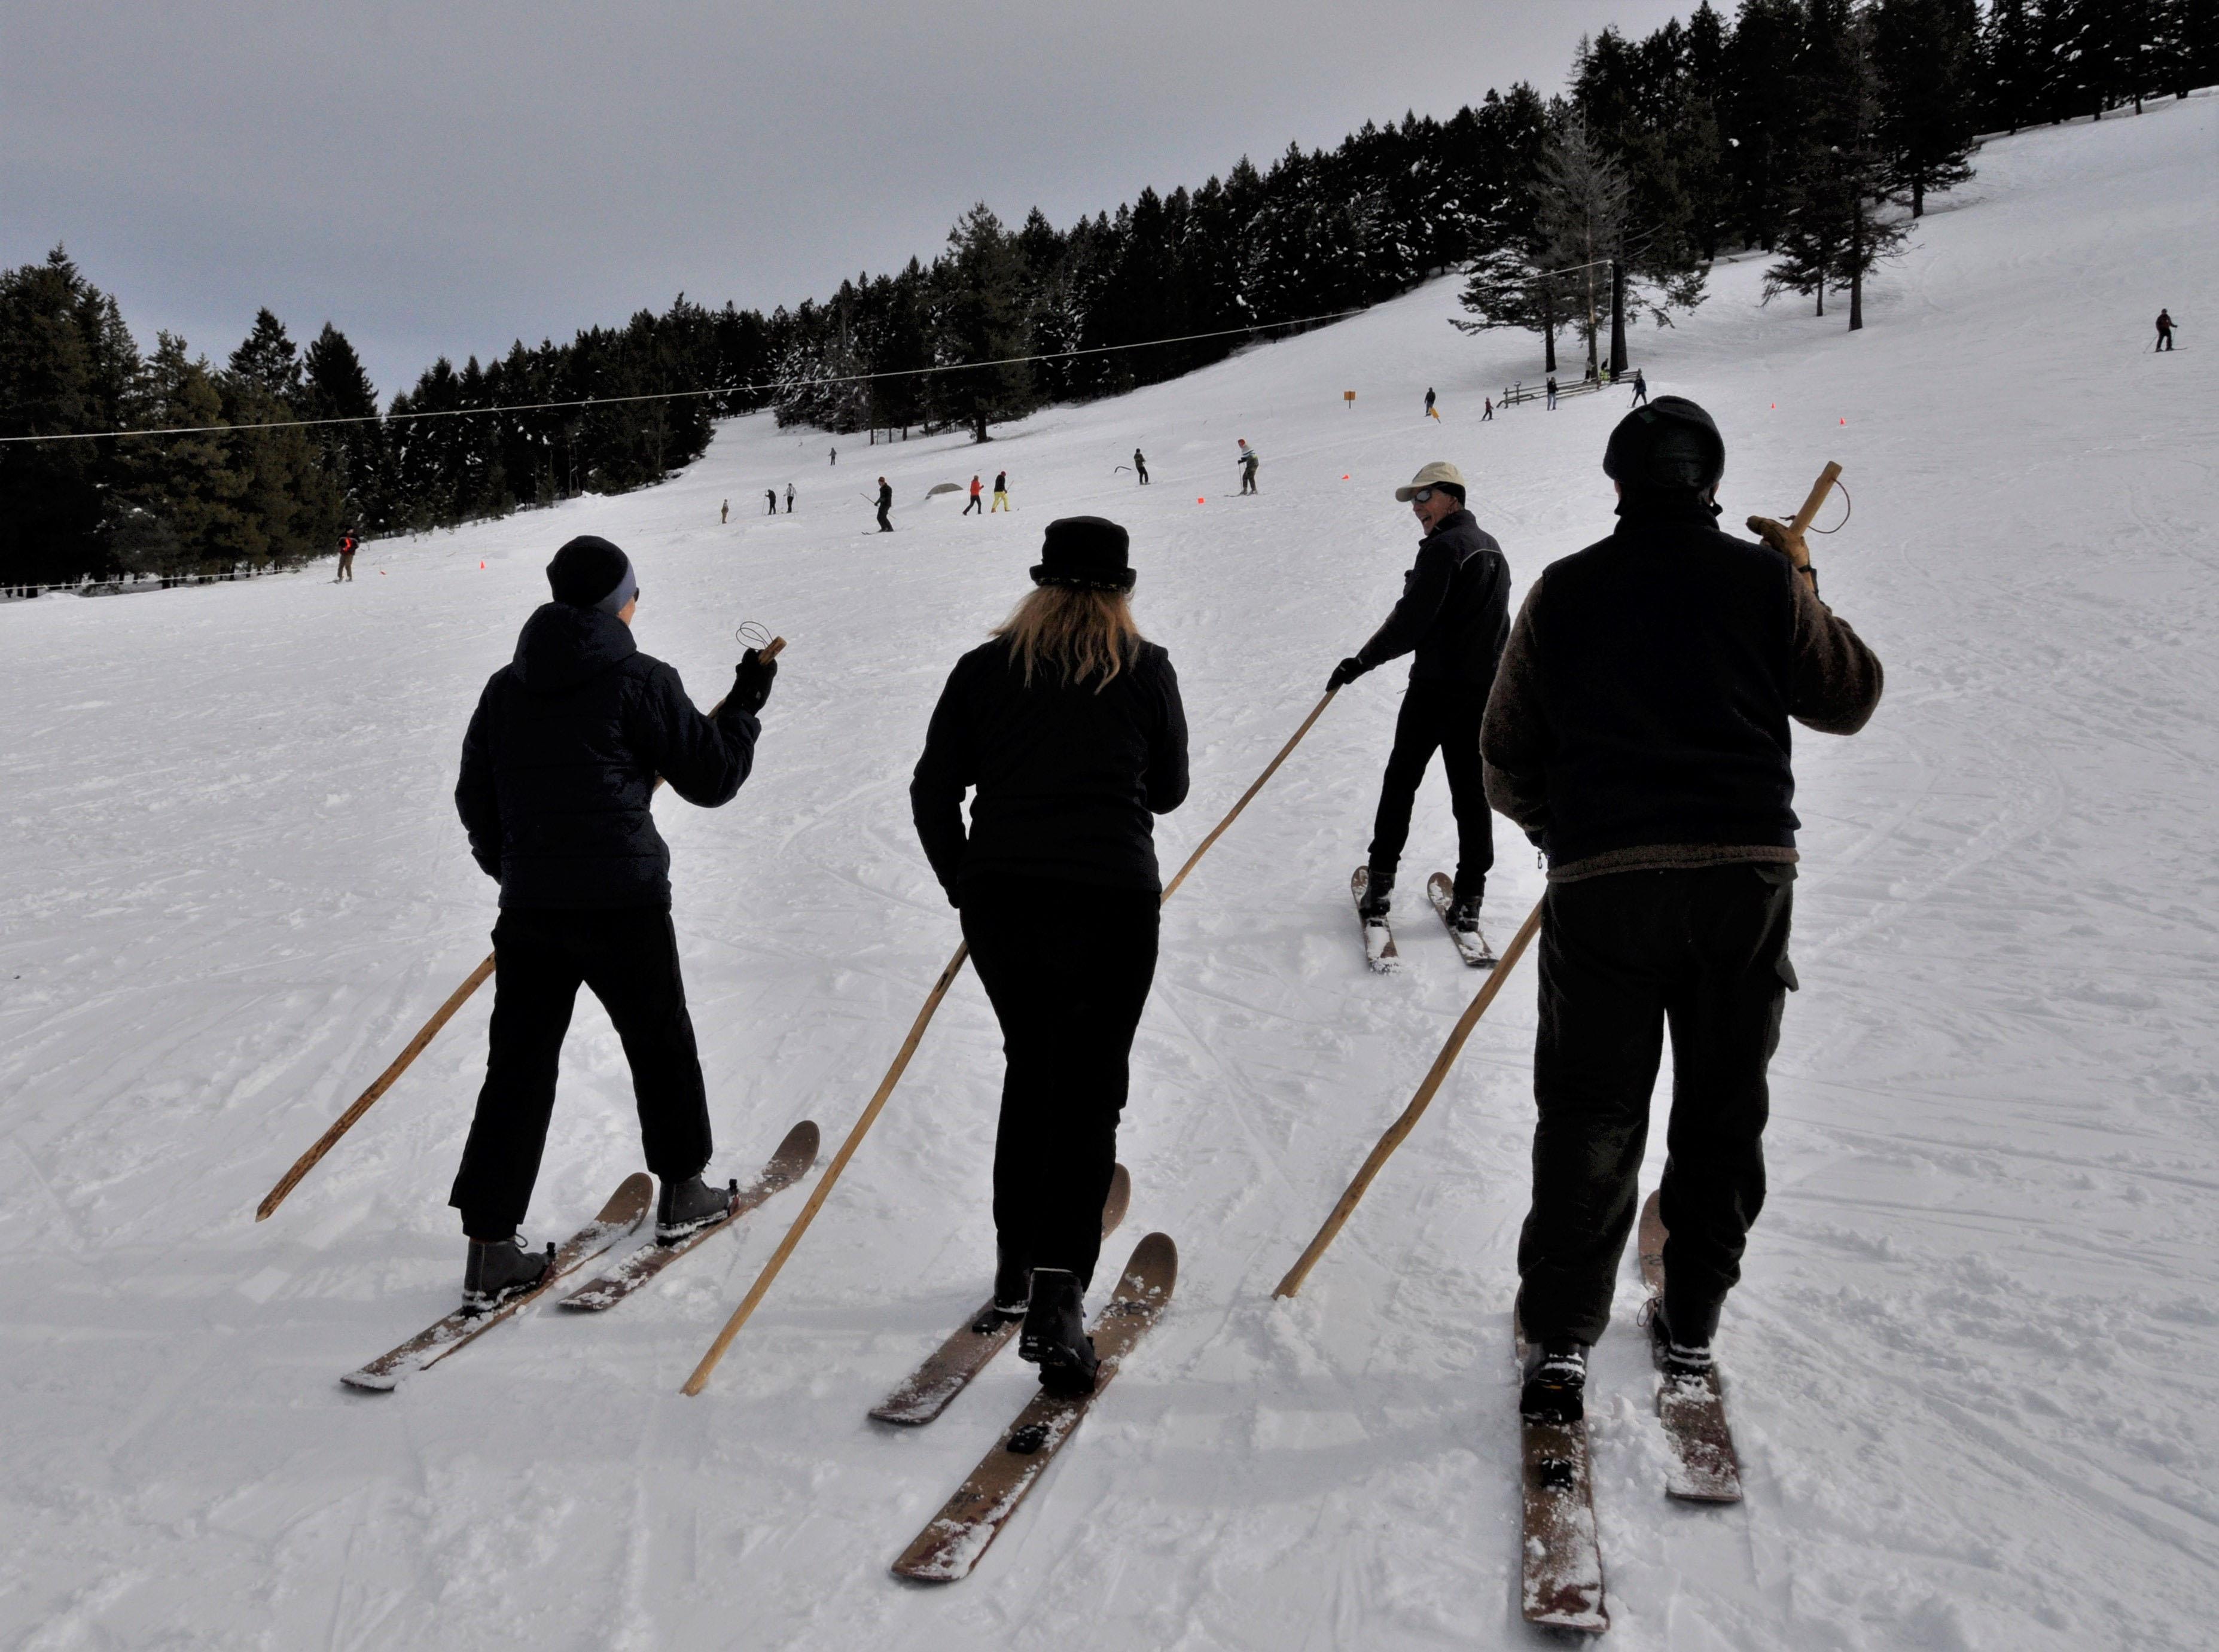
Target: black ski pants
{"type": "Point", "coordinates": [1622, 957]}
{"type": "Point", "coordinates": [1439, 716]}
{"type": "Point", "coordinates": [977, 503]}
{"type": "Point", "coordinates": [885, 526]}
{"type": "Point", "coordinates": [1067, 968]}
{"type": "Point", "coordinates": [630, 958]}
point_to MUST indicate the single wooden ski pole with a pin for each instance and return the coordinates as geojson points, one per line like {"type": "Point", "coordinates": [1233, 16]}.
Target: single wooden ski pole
{"type": "Point", "coordinates": [1403, 1126]}
{"type": "Point", "coordinates": [757, 1291]}
{"type": "Point", "coordinates": [1819, 489]}
{"type": "Point", "coordinates": [348, 1120]}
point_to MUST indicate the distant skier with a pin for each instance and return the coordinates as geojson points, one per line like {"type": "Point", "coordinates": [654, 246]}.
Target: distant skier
{"type": "Point", "coordinates": [833, 458]}
{"type": "Point", "coordinates": [1250, 460]}
{"type": "Point", "coordinates": [2164, 330]}
{"type": "Point", "coordinates": [1487, 410]}
{"type": "Point", "coordinates": [770, 500]}
{"type": "Point", "coordinates": [1640, 390]}
{"type": "Point", "coordinates": [1001, 492]}
{"type": "Point", "coordinates": [558, 769]}
{"type": "Point", "coordinates": [1430, 412]}
{"type": "Point", "coordinates": [1553, 392]}
{"type": "Point", "coordinates": [977, 502]}
{"type": "Point", "coordinates": [347, 545]}
{"type": "Point", "coordinates": [1068, 729]}
{"type": "Point", "coordinates": [1638, 731]}
{"type": "Point", "coordinates": [1140, 467]}
{"type": "Point", "coordinates": [789, 499]}
{"type": "Point", "coordinates": [886, 506]}
{"type": "Point", "coordinates": [1454, 616]}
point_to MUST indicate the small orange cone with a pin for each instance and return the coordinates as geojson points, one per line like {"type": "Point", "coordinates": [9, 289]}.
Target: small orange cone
{"type": "Point", "coordinates": [1344, 476]}
{"type": "Point", "coordinates": [1845, 421]}
{"type": "Point", "coordinates": [1198, 501]}
{"type": "Point", "coordinates": [481, 568]}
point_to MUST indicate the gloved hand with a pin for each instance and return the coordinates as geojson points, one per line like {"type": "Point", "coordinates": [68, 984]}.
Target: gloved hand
{"type": "Point", "coordinates": [1782, 539]}
{"type": "Point", "coordinates": [751, 681]}
{"type": "Point", "coordinates": [1346, 673]}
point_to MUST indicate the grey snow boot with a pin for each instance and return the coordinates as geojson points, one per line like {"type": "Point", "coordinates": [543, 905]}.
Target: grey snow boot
{"type": "Point", "coordinates": [689, 1206]}
{"type": "Point", "coordinates": [497, 1270]}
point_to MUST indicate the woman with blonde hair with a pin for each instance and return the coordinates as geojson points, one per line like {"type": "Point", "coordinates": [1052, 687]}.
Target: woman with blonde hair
{"type": "Point", "coordinates": [1066, 728]}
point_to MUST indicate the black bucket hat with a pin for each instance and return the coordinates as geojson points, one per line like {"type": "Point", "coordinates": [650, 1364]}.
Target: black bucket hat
{"type": "Point", "coordinates": [1668, 446]}
{"type": "Point", "coordinates": [1085, 553]}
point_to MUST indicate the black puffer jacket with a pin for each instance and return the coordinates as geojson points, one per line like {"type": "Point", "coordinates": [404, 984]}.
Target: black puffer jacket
{"type": "Point", "coordinates": [1069, 779]}
{"type": "Point", "coordinates": [1455, 611]}
{"type": "Point", "coordinates": [561, 758]}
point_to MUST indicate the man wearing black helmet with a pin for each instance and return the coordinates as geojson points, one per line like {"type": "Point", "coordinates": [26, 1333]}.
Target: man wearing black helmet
{"type": "Point", "coordinates": [1638, 731]}
{"type": "Point", "coordinates": [559, 767]}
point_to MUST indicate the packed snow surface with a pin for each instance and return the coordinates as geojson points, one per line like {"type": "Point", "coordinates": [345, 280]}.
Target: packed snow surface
{"type": "Point", "coordinates": [1974, 1365]}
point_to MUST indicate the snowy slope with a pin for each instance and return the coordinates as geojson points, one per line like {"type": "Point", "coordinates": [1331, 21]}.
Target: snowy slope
{"type": "Point", "coordinates": [1975, 1366]}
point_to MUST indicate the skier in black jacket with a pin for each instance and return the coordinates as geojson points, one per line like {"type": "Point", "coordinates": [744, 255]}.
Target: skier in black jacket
{"type": "Point", "coordinates": [886, 505]}
{"type": "Point", "coordinates": [1455, 616]}
{"type": "Point", "coordinates": [558, 769]}
{"type": "Point", "coordinates": [1068, 729]}
{"type": "Point", "coordinates": [1638, 731]}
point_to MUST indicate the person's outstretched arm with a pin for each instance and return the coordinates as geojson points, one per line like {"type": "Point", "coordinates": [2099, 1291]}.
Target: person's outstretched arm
{"type": "Point", "coordinates": [704, 758]}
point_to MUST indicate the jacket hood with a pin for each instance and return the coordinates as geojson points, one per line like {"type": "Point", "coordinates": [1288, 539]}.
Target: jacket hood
{"type": "Point", "coordinates": [562, 646]}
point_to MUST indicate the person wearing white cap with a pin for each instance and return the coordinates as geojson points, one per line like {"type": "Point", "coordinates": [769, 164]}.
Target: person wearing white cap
{"type": "Point", "coordinates": [1454, 617]}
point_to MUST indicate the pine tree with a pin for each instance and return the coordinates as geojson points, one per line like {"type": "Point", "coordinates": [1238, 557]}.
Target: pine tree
{"type": "Point", "coordinates": [2011, 56]}
{"type": "Point", "coordinates": [267, 360]}
{"type": "Point", "coordinates": [335, 386]}
{"type": "Point", "coordinates": [979, 317]}
{"type": "Point", "coordinates": [1926, 54]}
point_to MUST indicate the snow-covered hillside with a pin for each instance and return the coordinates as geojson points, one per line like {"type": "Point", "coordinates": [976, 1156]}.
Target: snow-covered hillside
{"type": "Point", "coordinates": [1975, 1366]}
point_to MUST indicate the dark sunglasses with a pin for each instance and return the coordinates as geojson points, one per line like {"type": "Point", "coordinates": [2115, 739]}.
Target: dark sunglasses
{"type": "Point", "coordinates": [1421, 496]}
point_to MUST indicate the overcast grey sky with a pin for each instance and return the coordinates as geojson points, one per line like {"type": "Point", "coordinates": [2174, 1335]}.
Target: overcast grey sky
{"type": "Point", "coordinates": [440, 177]}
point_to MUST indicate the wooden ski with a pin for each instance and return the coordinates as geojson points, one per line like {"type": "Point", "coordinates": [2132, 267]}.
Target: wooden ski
{"type": "Point", "coordinates": [928, 1390]}
{"type": "Point", "coordinates": [1705, 1467]}
{"type": "Point", "coordinates": [626, 1208]}
{"type": "Point", "coordinates": [953, 1540]}
{"type": "Point", "coordinates": [786, 1166]}
{"type": "Point", "coordinates": [1440, 890]}
{"type": "Point", "coordinates": [1561, 1583]}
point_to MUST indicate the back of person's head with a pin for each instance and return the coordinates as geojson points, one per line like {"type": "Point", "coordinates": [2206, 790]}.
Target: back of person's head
{"type": "Point", "coordinates": [1077, 624]}
{"type": "Point", "coordinates": [591, 573]}
{"type": "Point", "coordinates": [1668, 447]}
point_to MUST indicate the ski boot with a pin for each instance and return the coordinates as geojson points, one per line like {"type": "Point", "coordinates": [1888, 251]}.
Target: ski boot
{"type": "Point", "coordinates": [1379, 894]}
{"type": "Point", "coordinates": [1054, 1338]}
{"type": "Point", "coordinates": [1013, 1285]}
{"type": "Point", "coordinates": [688, 1207]}
{"type": "Point", "coordinates": [1681, 1362]}
{"type": "Point", "coordinates": [500, 1268]}
{"type": "Point", "coordinates": [1556, 1382]}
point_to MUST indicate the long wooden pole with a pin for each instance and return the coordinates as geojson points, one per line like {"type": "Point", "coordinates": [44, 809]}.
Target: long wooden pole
{"type": "Point", "coordinates": [347, 1120]}
{"type": "Point", "coordinates": [1403, 1126]}
{"type": "Point", "coordinates": [756, 1292]}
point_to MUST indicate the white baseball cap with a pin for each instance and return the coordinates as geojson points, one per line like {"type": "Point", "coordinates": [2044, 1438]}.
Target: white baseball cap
{"type": "Point", "coordinates": [1434, 474]}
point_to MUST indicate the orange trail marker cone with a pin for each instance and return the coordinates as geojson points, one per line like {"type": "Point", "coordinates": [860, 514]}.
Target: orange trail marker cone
{"type": "Point", "coordinates": [1197, 500]}
{"type": "Point", "coordinates": [481, 568]}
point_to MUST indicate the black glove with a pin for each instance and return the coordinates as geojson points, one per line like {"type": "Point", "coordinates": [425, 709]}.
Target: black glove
{"type": "Point", "coordinates": [751, 681]}
{"type": "Point", "coordinates": [1346, 673]}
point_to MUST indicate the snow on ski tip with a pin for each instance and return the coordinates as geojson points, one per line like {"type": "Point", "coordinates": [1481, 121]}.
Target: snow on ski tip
{"type": "Point", "coordinates": [951, 1542]}
{"type": "Point", "coordinates": [1378, 938]}
{"type": "Point", "coordinates": [1560, 1560]}
{"type": "Point", "coordinates": [1440, 890]}
{"type": "Point", "coordinates": [1706, 1467]}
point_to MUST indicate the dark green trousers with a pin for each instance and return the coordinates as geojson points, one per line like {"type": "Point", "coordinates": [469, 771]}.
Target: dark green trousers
{"type": "Point", "coordinates": [1623, 957]}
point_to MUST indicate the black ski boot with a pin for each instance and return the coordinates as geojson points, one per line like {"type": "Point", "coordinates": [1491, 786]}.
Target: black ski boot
{"type": "Point", "coordinates": [689, 1206]}
{"type": "Point", "coordinates": [1013, 1286]}
{"type": "Point", "coordinates": [1379, 894]}
{"type": "Point", "coordinates": [1054, 1338]}
{"type": "Point", "coordinates": [500, 1268]}
{"type": "Point", "coordinates": [1556, 1382]}
{"type": "Point", "coordinates": [1682, 1363]}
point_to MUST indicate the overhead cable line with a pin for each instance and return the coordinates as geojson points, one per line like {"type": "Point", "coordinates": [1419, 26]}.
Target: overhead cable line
{"type": "Point", "coordinates": [676, 395]}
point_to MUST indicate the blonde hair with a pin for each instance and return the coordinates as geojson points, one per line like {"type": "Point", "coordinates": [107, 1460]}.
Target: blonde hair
{"type": "Point", "coordinates": [1079, 634]}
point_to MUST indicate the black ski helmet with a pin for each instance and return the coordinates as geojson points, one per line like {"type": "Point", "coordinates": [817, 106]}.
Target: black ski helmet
{"type": "Point", "coordinates": [1671, 445]}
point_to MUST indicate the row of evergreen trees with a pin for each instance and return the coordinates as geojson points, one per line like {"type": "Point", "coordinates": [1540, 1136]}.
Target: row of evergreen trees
{"type": "Point", "coordinates": [1807, 128]}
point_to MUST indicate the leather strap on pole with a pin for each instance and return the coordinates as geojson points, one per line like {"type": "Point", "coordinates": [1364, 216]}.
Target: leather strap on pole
{"type": "Point", "coordinates": [1402, 1126]}
{"type": "Point", "coordinates": [347, 1120]}
{"type": "Point", "coordinates": [1819, 489]}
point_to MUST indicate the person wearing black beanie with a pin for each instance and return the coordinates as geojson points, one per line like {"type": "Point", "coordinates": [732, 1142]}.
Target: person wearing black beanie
{"type": "Point", "coordinates": [1067, 730]}
{"type": "Point", "coordinates": [569, 743]}
{"type": "Point", "coordinates": [1638, 730]}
